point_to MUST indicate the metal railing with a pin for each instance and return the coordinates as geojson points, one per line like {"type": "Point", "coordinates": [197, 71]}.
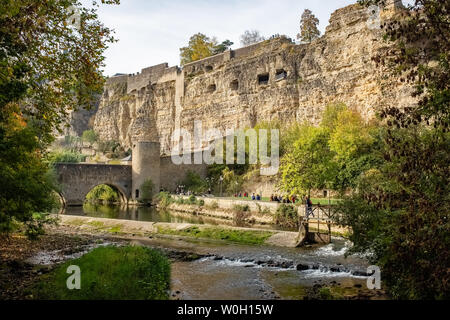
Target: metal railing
{"type": "Point", "coordinates": [318, 215]}
{"type": "Point", "coordinates": [318, 212]}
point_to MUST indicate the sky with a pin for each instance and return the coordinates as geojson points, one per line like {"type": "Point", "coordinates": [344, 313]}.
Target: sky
{"type": "Point", "coordinates": [151, 32]}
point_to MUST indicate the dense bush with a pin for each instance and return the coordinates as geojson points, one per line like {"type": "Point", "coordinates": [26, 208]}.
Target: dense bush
{"type": "Point", "coordinates": [35, 227]}
{"type": "Point", "coordinates": [180, 201]}
{"type": "Point", "coordinates": [111, 273]}
{"type": "Point", "coordinates": [90, 136]}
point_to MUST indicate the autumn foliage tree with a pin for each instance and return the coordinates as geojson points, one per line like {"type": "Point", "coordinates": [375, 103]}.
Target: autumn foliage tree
{"type": "Point", "coordinates": [308, 27]}
{"type": "Point", "coordinates": [49, 65]}
{"type": "Point", "coordinates": [201, 46]}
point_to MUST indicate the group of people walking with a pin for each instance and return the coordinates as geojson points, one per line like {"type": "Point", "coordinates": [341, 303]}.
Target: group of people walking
{"type": "Point", "coordinates": [273, 198]}
{"type": "Point", "coordinates": [281, 199]}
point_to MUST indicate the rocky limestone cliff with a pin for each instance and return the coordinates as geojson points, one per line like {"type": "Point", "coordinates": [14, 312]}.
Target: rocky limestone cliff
{"type": "Point", "coordinates": [274, 79]}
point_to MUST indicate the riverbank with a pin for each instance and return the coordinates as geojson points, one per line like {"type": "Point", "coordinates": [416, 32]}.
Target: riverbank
{"type": "Point", "coordinates": [23, 261]}
{"type": "Point", "coordinates": [258, 214]}
{"type": "Point", "coordinates": [161, 229]}
{"type": "Point", "coordinates": [199, 270]}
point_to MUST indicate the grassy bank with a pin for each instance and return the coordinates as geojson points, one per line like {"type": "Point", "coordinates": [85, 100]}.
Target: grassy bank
{"type": "Point", "coordinates": [111, 273]}
{"type": "Point", "coordinates": [238, 236]}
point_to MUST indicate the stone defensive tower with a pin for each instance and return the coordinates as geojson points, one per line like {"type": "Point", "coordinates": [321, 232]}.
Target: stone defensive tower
{"type": "Point", "coordinates": [145, 165]}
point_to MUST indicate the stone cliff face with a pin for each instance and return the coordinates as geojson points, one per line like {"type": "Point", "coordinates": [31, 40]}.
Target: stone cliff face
{"type": "Point", "coordinates": [274, 79]}
{"type": "Point", "coordinates": [79, 121]}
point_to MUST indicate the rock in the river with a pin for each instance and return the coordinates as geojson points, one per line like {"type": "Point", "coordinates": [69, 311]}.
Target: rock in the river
{"type": "Point", "coordinates": [302, 267]}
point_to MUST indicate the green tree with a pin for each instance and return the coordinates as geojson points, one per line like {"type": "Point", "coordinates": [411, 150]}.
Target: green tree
{"type": "Point", "coordinates": [399, 215]}
{"type": "Point", "coordinates": [308, 163]}
{"type": "Point", "coordinates": [332, 155]}
{"type": "Point", "coordinates": [27, 183]}
{"type": "Point", "coordinates": [232, 183]}
{"type": "Point", "coordinates": [222, 47]}
{"type": "Point", "coordinates": [201, 46]}
{"type": "Point", "coordinates": [56, 65]}
{"type": "Point", "coordinates": [308, 27]}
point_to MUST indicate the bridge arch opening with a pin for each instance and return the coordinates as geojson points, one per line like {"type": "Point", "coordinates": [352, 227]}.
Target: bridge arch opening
{"type": "Point", "coordinates": [106, 193]}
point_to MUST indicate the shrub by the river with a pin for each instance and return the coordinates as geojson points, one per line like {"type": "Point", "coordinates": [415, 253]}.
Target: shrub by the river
{"type": "Point", "coordinates": [240, 214]}
{"type": "Point", "coordinates": [111, 273]}
{"type": "Point", "coordinates": [286, 216]}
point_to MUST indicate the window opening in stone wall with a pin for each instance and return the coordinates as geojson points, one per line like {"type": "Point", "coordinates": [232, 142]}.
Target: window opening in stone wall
{"type": "Point", "coordinates": [211, 88]}
{"type": "Point", "coordinates": [280, 75]}
{"type": "Point", "coordinates": [209, 68]}
{"type": "Point", "coordinates": [263, 78]}
{"type": "Point", "coordinates": [234, 85]}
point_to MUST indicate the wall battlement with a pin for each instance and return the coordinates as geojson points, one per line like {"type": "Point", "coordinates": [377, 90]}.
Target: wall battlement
{"type": "Point", "coordinates": [273, 79]}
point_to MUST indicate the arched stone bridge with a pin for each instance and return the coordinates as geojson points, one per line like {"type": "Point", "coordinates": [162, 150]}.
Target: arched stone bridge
{"type": "Point", "coordinates": [76, 180]}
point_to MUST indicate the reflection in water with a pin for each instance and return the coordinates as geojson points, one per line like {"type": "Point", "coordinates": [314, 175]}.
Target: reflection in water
{"type": "Point", "coordinates": [152, 214]}
{"type": "Point", "coordinates": [139, 214]}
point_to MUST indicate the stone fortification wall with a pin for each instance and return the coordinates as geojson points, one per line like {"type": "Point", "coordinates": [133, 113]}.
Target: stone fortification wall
{"type": "Point", "coordinates": [274, 79]}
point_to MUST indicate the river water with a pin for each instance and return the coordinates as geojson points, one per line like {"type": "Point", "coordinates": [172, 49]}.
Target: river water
{"type": "Point", "coordinates": [232, 271]}
{"type": "Point", "coordinates": [149, 214]}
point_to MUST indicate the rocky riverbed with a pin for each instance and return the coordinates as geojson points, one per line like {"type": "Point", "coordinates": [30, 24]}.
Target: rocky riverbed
{"type": "Point", "coordinates": [200, 269]}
